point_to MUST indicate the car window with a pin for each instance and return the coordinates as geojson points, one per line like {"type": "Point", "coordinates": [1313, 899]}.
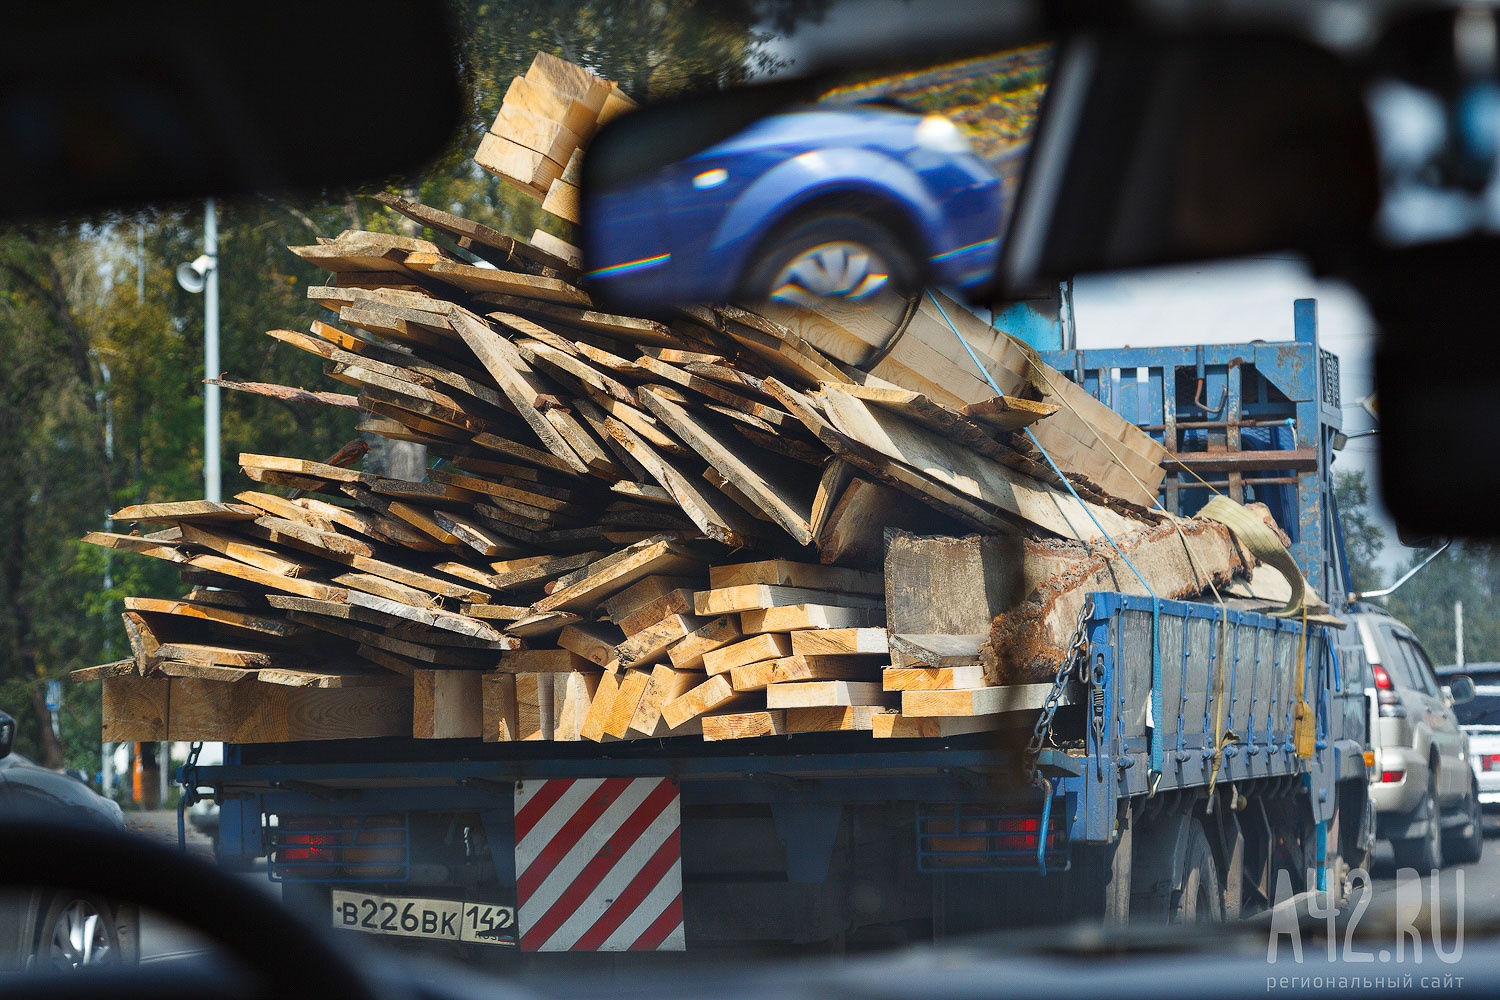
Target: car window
{"type": "Point", "coordinates": [1395, 661]}
{"type": "Point", "coordinates": [1421, 665]}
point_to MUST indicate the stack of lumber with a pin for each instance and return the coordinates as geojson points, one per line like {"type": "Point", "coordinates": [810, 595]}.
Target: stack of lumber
{"type": "Point", "coordinates": [631, 528]}
{"type": "Point", "coordinates": [546, 119]}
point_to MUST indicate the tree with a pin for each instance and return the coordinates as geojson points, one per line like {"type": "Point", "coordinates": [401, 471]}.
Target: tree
{"type": "Point", "coordinates": [1363, 538]}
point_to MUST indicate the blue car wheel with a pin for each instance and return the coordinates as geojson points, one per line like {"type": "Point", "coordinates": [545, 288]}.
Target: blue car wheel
{"type": "Point", "coordinates": [830, 255]}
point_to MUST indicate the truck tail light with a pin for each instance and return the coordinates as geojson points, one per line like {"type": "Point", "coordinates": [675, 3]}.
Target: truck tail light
{"type": "Point", "coordinates": [1489, 762]}
{"type": "Point", "coordinates": [1392, 777]}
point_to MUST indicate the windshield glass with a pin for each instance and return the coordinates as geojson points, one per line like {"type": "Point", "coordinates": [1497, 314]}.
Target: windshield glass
{"type": "Point", "coordinates": [471, 596]}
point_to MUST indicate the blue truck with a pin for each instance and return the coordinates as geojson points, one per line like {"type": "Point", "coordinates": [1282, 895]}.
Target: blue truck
{"type": "Point", "coordinates": [1157, 779]}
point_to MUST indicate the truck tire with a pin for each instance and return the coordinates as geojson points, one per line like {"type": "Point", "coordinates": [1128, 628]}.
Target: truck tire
{"type": "Point", "coordinates": [1465, 844]}
{"type": "Point", "coordinates": [1201, 900]}
{"type": "Point", "coordinates": [1425, 851]}
{"type": "Point", "coordinates": [829, 255]}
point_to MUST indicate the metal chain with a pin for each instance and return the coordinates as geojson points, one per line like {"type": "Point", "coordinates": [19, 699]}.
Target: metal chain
{"type": "Point", "coordinates": [1075, 662]}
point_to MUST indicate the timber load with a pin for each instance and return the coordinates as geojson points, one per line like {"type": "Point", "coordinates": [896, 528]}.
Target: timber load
{"type": "Point", "coordinates": [728, 523]}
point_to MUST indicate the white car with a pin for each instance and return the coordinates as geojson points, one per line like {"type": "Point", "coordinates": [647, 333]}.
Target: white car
{"type": "Point", "coordinates": [1480, 719]}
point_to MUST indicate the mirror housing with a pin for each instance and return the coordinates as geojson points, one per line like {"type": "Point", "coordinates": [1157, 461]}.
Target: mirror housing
{"type": "Point", "coordinates": [7, 735]}
{"type": "Point", "coordinates": [1461, 689]}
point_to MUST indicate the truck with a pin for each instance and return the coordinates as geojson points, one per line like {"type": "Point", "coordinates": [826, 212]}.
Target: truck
{"type": "Point", "coordinates": [1162, 775]}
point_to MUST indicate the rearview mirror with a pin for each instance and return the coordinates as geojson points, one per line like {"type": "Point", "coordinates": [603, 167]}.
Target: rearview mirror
{"type": "Point", "coordinates": [988, 174]}
{"type": "Point", "coordinates": [1461, 689]}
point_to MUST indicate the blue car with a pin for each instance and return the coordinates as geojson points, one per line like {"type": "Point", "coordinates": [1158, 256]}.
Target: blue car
{"type": "Point", "coordinates": [802, 205]}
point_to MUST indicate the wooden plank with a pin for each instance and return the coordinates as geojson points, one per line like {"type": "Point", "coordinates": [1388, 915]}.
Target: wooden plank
{"type": "Point", "coordinates": [527, 168]}
{"type": "Point", "coordinates": [840, 641]}
{"type": "Point", "coordinates": [687, 653]}
{"type": "Point", "coordinates": [853, 532]}
{"type": "Point", "coordinates": [596, 642]}
{"type": "Point", "coordinates": [831, 484]}
{"type": "Point", "coordinates": [752, 676]}
{"type": "Point", "coordinates": [921, 650]}
{"type": "Point", "coordinates": [563, 200]}
{"type": "Point", "coordinates": [251, 712]}
{"type": "Point", "coordinates": [744, 725]}
{"type": "Point", "coordinates": [186, 510]}
{"type": "Point", "coordinates": [975, 701]}
{"type": "Point", "coordinates": [559, 248]}
{"type": "Point", "coordinates": [825, 694]}
{"type": "Point", "coordinates": [610, 575]}
{"type": "Point", "coordinates": [712, 694]}
{"type": "Point", "coordinates": [447, 704]}
{"type": "Point", "coordinates": [793, 617]}
{"type": "Point", "coordinates": [222, 655]}
{"type": "Point", "coordinates": [98, 672]}
{"type": "Point", "coordinates": [273, 581]}
{"type": "Point", "coordinates": [499, 707]}
{"type": "Point", "coordinates": [958, 678]}
{"type": "Point", "coordinates": [243, 551]}
{"type": "Point", "coordinates": [134, 708]}
{"type": "Point", "coordinates": [534, 706]}
{"type": "Point", "coordinates": [469, 278]}
{"type": "Point", "coordinates": [786, 573]}
{"type": "Point", "coordinates": [767, 646]}
{"type": "Point", "coordinates": [823, 668]}
{"type": "Point", "coordinates": [667, 683]}
{"type": "Point", "coordinates": [849, 718]}
{"type": "Point", "coordinates": [600, 707]}
{"type": "Point", "coordinates": [135, 543]}
{"type": "Point", "coordinates": [894, 725]}
{"type": "Point", "coordinates": [1008, 413]}
{"type": "Point", "coordinates": [532, 96]}
{"type": "Point", "coordinates": [674, 602]}
{"type": "Point", "coordinates": [513, 573]}
{"type": "Point", "coordinates": [969, 473]}
{"type": "Point", "coordinates": [207, 671]}
{"type": "Point", "coordinates": [541, 661]}
{"type": "Point", "coordinates": [214, 614]}
{"type": "Point", "coordinates": [627, 699]}
{"type": "Point", "coordinates": [757, 596]}
{"type": "Point", "coordinates": [652, 643]}
{"type": "Point", "coordinates": [520, 385]}
{"type": "Point", "coordinates": [572, 696]}
{"type": "Point", "coordinates": [341, 678]}
{"type": "Point", "coordinates": [788, 512]}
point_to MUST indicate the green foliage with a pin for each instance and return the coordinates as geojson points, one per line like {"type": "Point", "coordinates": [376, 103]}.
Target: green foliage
{"type": "Point", "coordinates": [1363, 538]}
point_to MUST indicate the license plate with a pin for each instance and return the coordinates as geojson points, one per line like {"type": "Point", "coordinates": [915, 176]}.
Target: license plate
{"type": "Point", "coordinates": [440, 919]}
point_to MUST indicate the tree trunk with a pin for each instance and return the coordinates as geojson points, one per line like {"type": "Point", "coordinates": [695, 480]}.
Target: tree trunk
{"type": "Point", "coordinates": [50, 747]}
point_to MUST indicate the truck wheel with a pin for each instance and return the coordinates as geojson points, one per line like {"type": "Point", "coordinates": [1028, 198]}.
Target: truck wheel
{"type": "Point", "coordinates": [1465, 844]}
{"type": "Point", "coordinates": [1201, 900]}
{"type": "Point", "coordinates": [832, 255]}
{"type": "Point", "coordinates": [1425, 851]}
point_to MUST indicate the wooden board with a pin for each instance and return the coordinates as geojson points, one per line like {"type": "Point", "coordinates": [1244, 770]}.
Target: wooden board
{"type": "Point", "coordinates": [597, 642]}
{"type": "Point", "coordinates": [758, 596]}
{"type": "Point", "coordinates": [652, 643]}
{"type": "Point", "coordinates": [894, 725]}
{"type": "Point", "coordinates": [840, 641]}
{"type": "Point", "coordinates": [541, 661]}
{"type": "Point", "coordinates": [743, 725]}
{"type": "Point", "coordinates": [535, 706]}
{"type": "Point", "coordinates": [572, 695]}
{"type": "Point", "coordinates": [767, 646]}
{"type": "Point", "coordinates": [713, 693]}
{"type": "Point", "coordinates": [688, 652]}
{"type": "Point", "coordinates": [214, 614]}
{"type": "Point", "coordinates": [627, 700]}
{"type": "Point", "coordinates": [186, 510]}
{"type": "Point", "coordinates": [818, 668]}
{"type": "Point", "coordinates": [251, 712]}
{"type": "Point", "coordinates": [600, 707]}
{"type": "Point", "coordinates": [821, 694]}
{"type": "Point", "coordinates": [933, 678]}
{"type": "Point", "coordinates": [926, 650]}
{"type": "Point", "coordinates": [785, 573]}
{"type": "Point", "coordinates": [498, 699]}
{"type": "Point", "coordinates": [447, 704]}
{"type": "Point", "coordinates": [98, 672]}
{"type": "Point", "coordinates": [975, 701]}
{"type": "Point", "coordinates": [667, 684]}
{"type": "Point", "coordinates": [849, 718]}
{"type": "Point", "coordinates": [134, 708]}
{"type": "Point", "coordinates": [610, 575]}
{"type": "Point", "coordinates": [793, 617]}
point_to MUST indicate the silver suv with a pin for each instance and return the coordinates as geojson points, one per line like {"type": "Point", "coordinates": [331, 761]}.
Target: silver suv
{"type": "Point", "coordinates": [1425, 793]}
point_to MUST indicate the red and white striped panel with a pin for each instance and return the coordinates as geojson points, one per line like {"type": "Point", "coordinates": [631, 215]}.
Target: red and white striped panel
{"type": "Point", "coordinates": [599, 864]}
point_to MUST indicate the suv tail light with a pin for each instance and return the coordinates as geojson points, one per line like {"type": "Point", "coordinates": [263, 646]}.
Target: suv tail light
{"type": "Point", "coordinates": [1391, 777]}
{"type": "Point", "coordinates": [1489, 762]}
{"type": "Point", "coordinates": [1386, 698]}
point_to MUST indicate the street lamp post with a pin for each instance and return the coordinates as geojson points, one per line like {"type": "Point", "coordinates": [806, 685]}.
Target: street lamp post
{"type": "Point", "coordinates": [202, 275]}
